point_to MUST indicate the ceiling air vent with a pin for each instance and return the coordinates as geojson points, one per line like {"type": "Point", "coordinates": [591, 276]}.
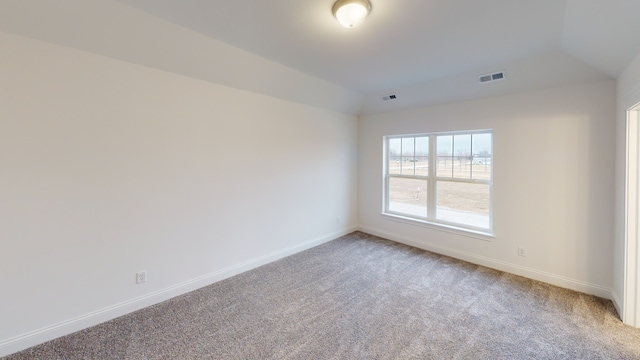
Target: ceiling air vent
{"type": "Point", "coordinates": [389, 97]}
{"type": "Point", "coordinates": [491, 77]}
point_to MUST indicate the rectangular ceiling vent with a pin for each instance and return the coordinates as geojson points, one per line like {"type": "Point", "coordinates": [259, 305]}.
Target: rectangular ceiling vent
{"type": "Point", "coordinates": [389, 97]}
{"type": "Point", "coordinates": [491, 77]}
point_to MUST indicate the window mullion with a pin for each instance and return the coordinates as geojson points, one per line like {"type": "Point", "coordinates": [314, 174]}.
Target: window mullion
{"type": "Point", "coordinates": [386, 174]}
{"type": "Point", "coordinates": [414, 156]}
{"type": "Point", "coordinates": [468, 181]}
{"type": "Point", "coordinates": [431, 181]}
{"type": "Point", "coordinates": [471, 165]}
{"type": "Point", "coordinates": [401, 155]}
{"type": "Point", "coordinates": [453, 155]}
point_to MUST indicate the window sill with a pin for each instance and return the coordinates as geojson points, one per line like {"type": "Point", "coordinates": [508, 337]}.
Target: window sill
{"type": "Point", "coordinates": [485, 236]}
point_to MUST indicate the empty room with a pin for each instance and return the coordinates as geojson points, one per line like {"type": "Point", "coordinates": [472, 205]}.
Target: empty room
{"type": "Point", "coordinates": [319, 179]}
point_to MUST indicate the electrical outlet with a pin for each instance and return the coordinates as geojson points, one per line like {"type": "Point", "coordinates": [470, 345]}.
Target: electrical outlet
{"type": "Point", "coordinates": [521, 251]}
{"type": "Point", "coordinates": [141, 277]}
{"type": "Point", "coordinates": [338, 221]}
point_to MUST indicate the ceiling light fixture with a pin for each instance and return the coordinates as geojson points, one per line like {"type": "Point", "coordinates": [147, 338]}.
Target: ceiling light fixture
{"type": "Point", "coordinates": [351, 12]}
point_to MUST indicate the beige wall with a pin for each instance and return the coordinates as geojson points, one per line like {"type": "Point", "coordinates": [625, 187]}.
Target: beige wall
{"type": "Point", "coordinates": [554, 154]}
{"type": "Point", "coordinates": [109, 168]}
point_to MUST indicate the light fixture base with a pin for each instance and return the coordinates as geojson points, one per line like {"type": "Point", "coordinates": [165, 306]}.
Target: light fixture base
{"type": "Point", "coordinates": [351, 12]}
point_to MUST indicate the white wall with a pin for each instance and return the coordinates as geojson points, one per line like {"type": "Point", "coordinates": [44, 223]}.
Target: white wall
{"type": "Point", "coordinates": [628, 95]}
{"type": "Point", "coordinates": [544, 71]}
{"type": "Point", "coordinates": [119, 31]}
{"type": "Point", "coordinates": [109, 168]}
{"type": "Point", "coordinates": [554, 154]}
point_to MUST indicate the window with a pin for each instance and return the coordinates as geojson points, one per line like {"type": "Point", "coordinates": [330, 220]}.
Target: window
{"type": "Point", "coordinates": [441, 178]}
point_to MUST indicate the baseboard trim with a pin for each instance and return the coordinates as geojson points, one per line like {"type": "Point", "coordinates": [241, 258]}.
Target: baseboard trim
{"type": "Point", "coordinates": [530, 273]}
{"type": "Point", "coordinates": [27, 340]}
{"type": "Point", "coordinates": [617, 303]}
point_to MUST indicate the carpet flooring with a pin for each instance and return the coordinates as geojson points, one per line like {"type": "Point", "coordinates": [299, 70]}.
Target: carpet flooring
{"type": "Point", "coordinates": [362, 297]}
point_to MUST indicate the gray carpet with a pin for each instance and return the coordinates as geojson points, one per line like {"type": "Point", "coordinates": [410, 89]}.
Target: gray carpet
{"type": "Point", "coordinates": [362, 297]}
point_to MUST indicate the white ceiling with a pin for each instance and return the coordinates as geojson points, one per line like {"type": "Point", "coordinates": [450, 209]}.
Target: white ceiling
{"type": "Point", "coordinates": [426, 51]}
{"type": "Point", "coordinates": [408, 42]}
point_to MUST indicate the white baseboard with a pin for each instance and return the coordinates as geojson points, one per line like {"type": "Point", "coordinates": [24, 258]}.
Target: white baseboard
{"type": "Point", "coordinates": [32, 338]}
{"type": "Point", "coordinates": [530, 273]}
{"type": "Point", "coordinates": [617, 303]}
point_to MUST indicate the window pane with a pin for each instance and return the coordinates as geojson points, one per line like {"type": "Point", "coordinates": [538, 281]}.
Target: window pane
{"type": "Point", "coordinates": [408, 165]}
{"type": "Point", "coordinates": [408, 147]}
{"type": "Point", "coordinates": [462, 156]}
{"type": "Point", "coordinates": [408, 153]}
{"type": "Point", "coordinates": [445, 156]}
{"type": "Point", "coordinates": [394, 156]}
{"type": "Point", "coordinates": [422, 156]}
{"type": "Point", "coordinates": [463, 203]}
{"type": "Point", "coordinates": [482, 157]}
{"type": "Point", "coordinates": [422, 166]}
{"type": "Point", "coordinates": [408, 196]}
{"type": "Point", "coordinates": [422, 146]}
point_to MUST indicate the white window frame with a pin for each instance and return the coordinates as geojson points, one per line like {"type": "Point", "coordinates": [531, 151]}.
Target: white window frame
{"type": "Point", "coordinates": [432, 181]}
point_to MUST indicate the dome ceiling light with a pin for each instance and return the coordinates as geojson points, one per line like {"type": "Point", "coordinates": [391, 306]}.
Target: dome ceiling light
{"type": "Point", "coordinates": [350, 13]}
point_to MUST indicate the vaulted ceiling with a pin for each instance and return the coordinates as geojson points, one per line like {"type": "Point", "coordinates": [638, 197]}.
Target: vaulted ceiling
{"type": "Point", "coordinates": [426, 51]}
{"type": "Point", "coordinates": [407, 42]}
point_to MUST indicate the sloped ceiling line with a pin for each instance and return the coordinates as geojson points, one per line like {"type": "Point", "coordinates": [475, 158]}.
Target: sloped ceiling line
{"type": "Point", "coordinates": [427, 52]}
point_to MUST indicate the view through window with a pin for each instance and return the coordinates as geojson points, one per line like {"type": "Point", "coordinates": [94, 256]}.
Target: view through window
{"type": "Point", "coordinates": [452, 188]}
